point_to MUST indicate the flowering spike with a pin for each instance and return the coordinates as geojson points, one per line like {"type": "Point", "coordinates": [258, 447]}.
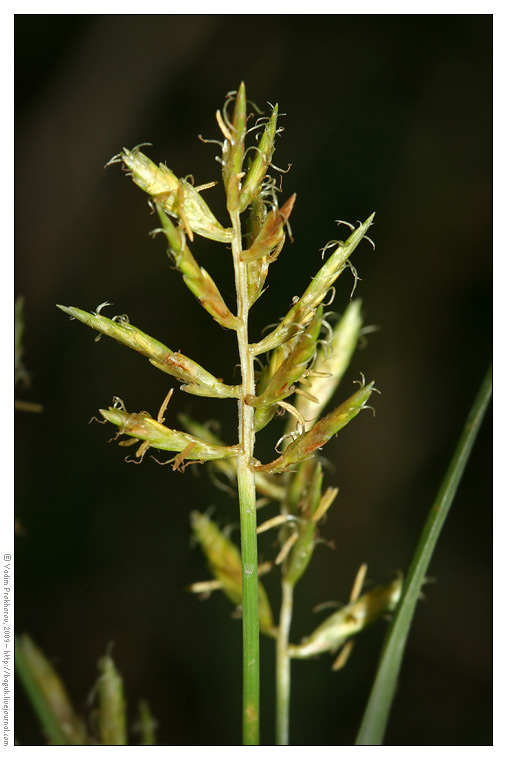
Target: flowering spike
{"type": "Point", "coordinates": [176, 196]}
{"type": "Point", "coordinates": [349, 620]}
{"type": "Point", "coordinates": [302, 550]}
{"type": "Point", "coordinates": [305, 445]}
{"type": "Point", "coordinates": [304, 308]}
{"type": "Point", "coordinates": [233, 148]}
{"type": "Point", "coordinates": [195, 277]}
{"type": "Point", "coordinates": [255, 175]}
{"type": "Point", "coordinates": [143, 427]}
{"type": "Point", "coordinates": [224, 562]}
{"type": "Point", "coordinates": [112, 708]}
{"type": "Point", "coordinates": [197, 380]}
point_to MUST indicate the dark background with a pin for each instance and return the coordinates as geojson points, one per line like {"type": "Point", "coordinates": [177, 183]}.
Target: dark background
{"type": "Point", "coordinates": [384, 113]}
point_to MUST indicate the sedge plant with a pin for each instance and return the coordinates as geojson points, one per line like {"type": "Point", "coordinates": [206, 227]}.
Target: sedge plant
{"type": "Point", "coordinates": [293, 370]}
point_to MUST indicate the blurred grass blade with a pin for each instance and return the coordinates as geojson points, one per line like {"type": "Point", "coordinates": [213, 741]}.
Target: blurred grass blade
{"type": "Point", "coordinates": [19, 328]}
{"type": "Point", "coordinates": [377, 710]}
{"type": "Point", "coordinates": [47, 695]}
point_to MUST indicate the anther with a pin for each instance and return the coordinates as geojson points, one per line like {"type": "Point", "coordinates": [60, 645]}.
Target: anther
{"type": "Point", "coordinates": [295, 413]}
{"type": "Point", "coordinates": [275, 522]}
{"type": "Point", "coordinates": [343, 657]}
{"type": "Point", "coordinates": [223, 127]}
{"type": "Point", "coordinates": [284, 551]}
{"type": "Point", "coordinates": [358, 583]}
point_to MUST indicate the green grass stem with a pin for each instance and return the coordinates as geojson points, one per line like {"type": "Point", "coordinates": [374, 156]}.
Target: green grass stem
{"type": "Point", "coordinates": [247, 503]}
{"type": "Point", "coordinates": [283, 664]}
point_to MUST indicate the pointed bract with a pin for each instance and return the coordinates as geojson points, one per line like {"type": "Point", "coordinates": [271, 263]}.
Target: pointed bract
{"type": "Point", "coordinates": [271, 236]}
{"type": "Point", "coordinates": [257, 270]}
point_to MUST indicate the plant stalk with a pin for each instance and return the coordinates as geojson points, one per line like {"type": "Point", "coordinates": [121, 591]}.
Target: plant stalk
{"type": "Point", "coordinates": [247, 506]}
{"type": "Point", "coordinates": [283, 665]}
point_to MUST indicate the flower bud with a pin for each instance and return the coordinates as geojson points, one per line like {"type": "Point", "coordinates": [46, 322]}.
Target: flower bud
{"type": "Point", "coordinates": [349, 620]}
{"type": "Point", "coordinates": [146, 725]}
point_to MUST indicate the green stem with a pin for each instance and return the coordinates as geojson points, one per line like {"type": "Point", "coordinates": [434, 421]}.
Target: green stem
{"type": "Point", "coordinates": [247, 506]}
{"type": "Point", "coordinates": [283, 665]}
{"type": "Point", "coordinates": [377, 710]}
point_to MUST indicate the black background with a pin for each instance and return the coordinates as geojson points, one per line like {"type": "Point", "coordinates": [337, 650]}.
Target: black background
{"type": "Point", "coordinates": [384, 113]}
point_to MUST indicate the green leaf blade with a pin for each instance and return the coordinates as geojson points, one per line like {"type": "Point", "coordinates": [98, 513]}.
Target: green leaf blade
{"type": "Point", "coordinates": [377, 711]}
